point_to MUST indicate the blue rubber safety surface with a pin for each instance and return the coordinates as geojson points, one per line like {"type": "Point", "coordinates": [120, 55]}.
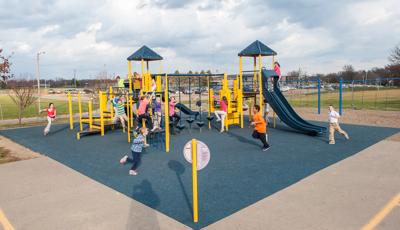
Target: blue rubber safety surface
{"type": "Point", "coordinates": [238, 175]}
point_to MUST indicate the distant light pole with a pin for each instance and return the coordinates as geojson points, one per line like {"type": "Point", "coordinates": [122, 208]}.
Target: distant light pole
{"type": "Point", "coordinates": [38, 76]}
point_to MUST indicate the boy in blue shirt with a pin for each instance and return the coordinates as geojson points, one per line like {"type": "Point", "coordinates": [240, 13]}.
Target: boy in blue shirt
{"type": "Point", "coordinates": [137, 146]}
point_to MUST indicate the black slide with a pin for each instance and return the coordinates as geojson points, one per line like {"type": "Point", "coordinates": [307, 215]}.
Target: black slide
{"type": "Point", "coordinates": [283, 109]}
{"type": "Point", "coordinates": [186, 110]}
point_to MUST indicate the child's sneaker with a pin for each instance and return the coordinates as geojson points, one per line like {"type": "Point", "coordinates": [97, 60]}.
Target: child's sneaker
{"type": "Point", "coordinates": [123, 159]}
{"type": "Point", "coordinates": [346, 136]}
{"type": "Point", "coordinates": [132, 172]}
{"type": "Point", "coordinates": [266, 148]}
{"type": "Point", "coordinates": [331, 142]}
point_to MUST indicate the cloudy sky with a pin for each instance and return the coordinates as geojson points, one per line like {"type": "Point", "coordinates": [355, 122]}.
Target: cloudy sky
{"type": "Point", "coordinates": [93, 36]}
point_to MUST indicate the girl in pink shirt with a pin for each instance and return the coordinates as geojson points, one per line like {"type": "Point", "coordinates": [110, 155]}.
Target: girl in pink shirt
{"type": "Point", "coordinates": [221, 114]}
{"type": "Point", "coordinates": [51, 115]}
{"type": "Point", "coordinates": [142, 112]}
{"type": "Point", "coordinates": [277, 69]}
{"type": "Point", "coordinates": [172, 113]}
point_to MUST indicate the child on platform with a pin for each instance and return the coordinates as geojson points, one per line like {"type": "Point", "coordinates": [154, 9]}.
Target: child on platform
{"type": "Point", "coordinates": [120, 113]}
{"type": "Point", "coordinates": [173, 115]}
{"type": "Point", "coordinates": [136, 149]}
{"type": "Point", "coordinates": [221, 114]}
{"type": "Point", "coordinates": [51, 116]}
{"type": "Point", "coordinates": [334, 125]}
{"type": "Point", "coordinates": [260, 127]}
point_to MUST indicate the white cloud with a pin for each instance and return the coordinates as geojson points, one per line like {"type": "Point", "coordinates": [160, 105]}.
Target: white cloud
{"type": "Point", "coordinates": [84, 35]}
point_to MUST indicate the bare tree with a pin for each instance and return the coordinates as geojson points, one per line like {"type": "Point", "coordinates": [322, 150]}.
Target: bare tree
{"type": "Point", "coordinates": [5, 65]}
{"type": "Point", "coordinates": [393, 68]}
{"type": "Point", "coordinates": [23, 95]}
{"type": "Point", "coordinates": [394, 57]}
{"type": "Point", "coordinates": [348, 73]}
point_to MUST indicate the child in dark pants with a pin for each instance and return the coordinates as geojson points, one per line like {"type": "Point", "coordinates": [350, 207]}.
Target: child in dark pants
{"type": "Point", "coordinates": [136, 149]}
{"type": "Point", "coordinates": [260, 127]}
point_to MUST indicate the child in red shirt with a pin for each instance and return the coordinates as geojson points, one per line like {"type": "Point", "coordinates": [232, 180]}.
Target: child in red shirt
{"type": "Point", "coordinates": [51, 115]}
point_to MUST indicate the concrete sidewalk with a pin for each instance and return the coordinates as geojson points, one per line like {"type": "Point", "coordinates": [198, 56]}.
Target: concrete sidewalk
{"type": "Point", "coordinates": [44, 194]}
{"type": "Point", "coordinates": [343, 196]}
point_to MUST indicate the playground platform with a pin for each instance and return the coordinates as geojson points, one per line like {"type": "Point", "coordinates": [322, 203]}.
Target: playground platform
{"type": "Point", "coordinates": [238, 175]}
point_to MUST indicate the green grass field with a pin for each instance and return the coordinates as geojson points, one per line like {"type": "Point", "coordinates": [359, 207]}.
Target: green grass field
{"type": "Point", "coordinates": [383, 99]}
{"type": "Point", "coordinates": [8, 110]}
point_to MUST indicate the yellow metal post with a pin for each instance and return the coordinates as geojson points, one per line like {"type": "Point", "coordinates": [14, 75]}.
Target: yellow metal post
{"type": "Point", "coordinates": [112, 106]}
{"type": "Point", "coordinates": [166, 112]}
{"type": "Point", "coordinates": [241, 89]}
{"type": "Point", "coordinates": [260, 83]}
{"type": "Point", "coordinates": [194, 181]}
{"type": "Point", "coordinates": [255, 74]}
{"type": "Point", "coordinates": [101, 113]}
{"type": "Point", "coordinates": [71, 122]}
{"type": "Point", "coordinates": [129, 111]}
{"type": "Point", "coordinates": [142, 65]}
{"type": "Point", "coordinates": [90, 114]}
{"type": "Point", "coordinates": [209, 101]}
{"type": "Point", "coordinates": [158, 83]}
{"type": "Point", "coordinates": [129, 68]}
{"type": "Point", "coordinates": [80, 111]}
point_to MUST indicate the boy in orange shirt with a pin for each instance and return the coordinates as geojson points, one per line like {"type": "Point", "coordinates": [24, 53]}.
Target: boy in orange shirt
{"type": "Point", "coordinates": [260, 127]}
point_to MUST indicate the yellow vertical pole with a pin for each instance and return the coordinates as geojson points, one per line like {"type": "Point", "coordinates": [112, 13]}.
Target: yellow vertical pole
{"type": "Point", "coordinates": [80, 111]}
{"type": "Point", "coordinates": [166, 112]}
{"type": "Point", "coordinates": [142, 65]}
{"type": "Point", "coordinates": [112, 106]}
{"type": "Point", "coordinates": [101, 113]}
{"type": "Point", "coordinates": [194, 181]}
{"type": "Point", "coordinates": [158, 82]}
{"type": "Point", "coordinates": [209, 101]}
{"type": "Point", "coordinates": [260, 82]}
{"type": "Point", "coordinates": [255, 74]}
{"type": "Point", "coordinates": [241, 89]}
{"type": "Point", "coordinates": [90, 114]}
{"type": "Point", "coordinates": [71, 122]}
{"type": "Point", "coordinates": [129, 68]}
{"type": "Point", "coordinates": [129, 111]}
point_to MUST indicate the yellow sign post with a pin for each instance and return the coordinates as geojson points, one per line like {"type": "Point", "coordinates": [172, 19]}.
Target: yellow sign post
{"type": "Point", "coordinates": [194, 180]}
{"type": "Point", "coordinates": [71, 125]}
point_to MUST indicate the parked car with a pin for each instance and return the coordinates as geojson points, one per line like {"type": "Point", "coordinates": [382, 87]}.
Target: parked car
{"type": "Point", "coordinates": [51, 91]}
{"type": "Point", "coordinates": [72, 91]}
{"type": "Point", "coordinates": [88, 91]}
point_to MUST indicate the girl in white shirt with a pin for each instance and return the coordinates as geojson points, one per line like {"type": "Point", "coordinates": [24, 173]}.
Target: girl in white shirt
{"type": "Point", "coordinates": [334, 125]}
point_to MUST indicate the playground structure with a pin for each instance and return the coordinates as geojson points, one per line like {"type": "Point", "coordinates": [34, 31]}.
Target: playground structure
{"type": "Point", "coordinates": [247, 84]}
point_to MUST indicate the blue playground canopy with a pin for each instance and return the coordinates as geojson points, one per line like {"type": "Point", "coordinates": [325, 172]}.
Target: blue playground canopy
{"type": "Point", "coordinates": [145, 54]}
{"type": "Point", "coordinates": [256, 48]}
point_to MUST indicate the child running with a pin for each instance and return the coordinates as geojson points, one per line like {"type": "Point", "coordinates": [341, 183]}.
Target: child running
{"type": "Point", "coordinates": [120, 113]}
{"type": "Point", "coordinates": [221, 114]}
{"type": "Point", "coordinates": [334, 125]}
{"type": "Point", "coordinates": [260, 127]}
{"type": "Point", "coordinates": [157, 115]}
{"type": "Point", "coordinates": [136, 149]}
{"type": "Point", "coordinates": [51, 116]}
